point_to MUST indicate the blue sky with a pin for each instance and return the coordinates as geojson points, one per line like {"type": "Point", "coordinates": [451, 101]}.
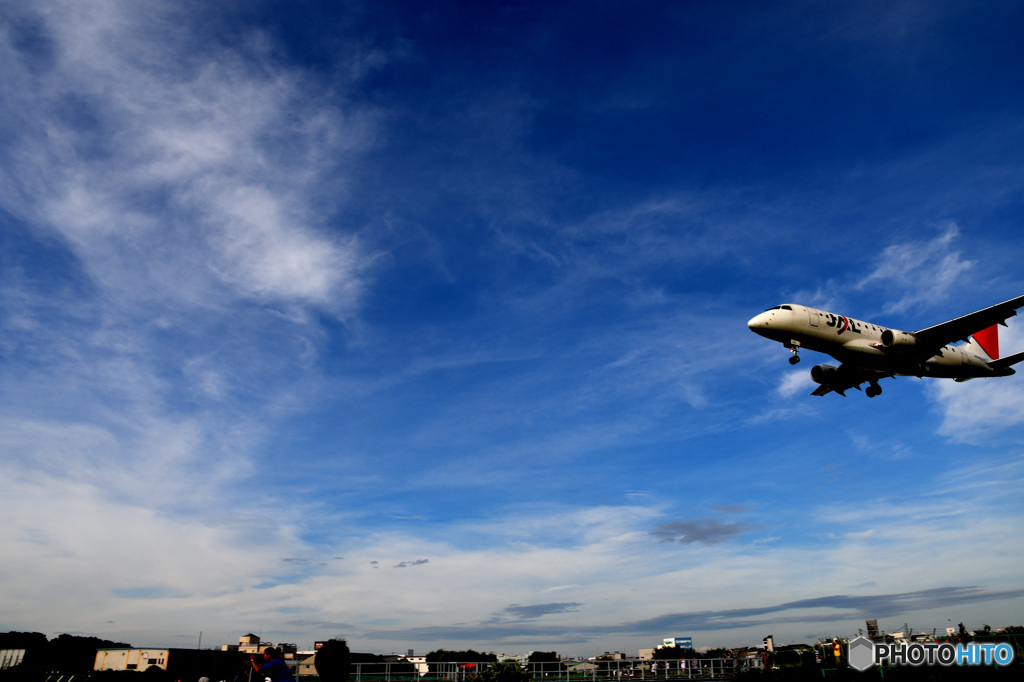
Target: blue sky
{"type": "Point", "coordinates": [424, 324]}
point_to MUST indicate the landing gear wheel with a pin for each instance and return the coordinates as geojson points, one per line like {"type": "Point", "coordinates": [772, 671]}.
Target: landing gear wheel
{"type": "Point", "coordinates": [872, 391]}
{"type": "Point", "coordinates": [795, 359]}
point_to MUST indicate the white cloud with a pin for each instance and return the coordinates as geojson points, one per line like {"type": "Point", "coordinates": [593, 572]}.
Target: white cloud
{"type": "Point", "coordinates": [184, 178]}
{"type": "Point", "coordinates": [260, 252]}
{"type": "Point", "coordinates": [794, 383]}
{"type": "Point", "coordinates": [616, 577]}
{"type": "Point", "coordinates": [602, 557]}
{"type": "Point", "coordinates": [977, 410]}
{"type": "Point", "coordinates": [87, 544]}
{"type": "Point", "coordinates": [926, 270]}
{"type": "Point", "coordinates": [180, 158]}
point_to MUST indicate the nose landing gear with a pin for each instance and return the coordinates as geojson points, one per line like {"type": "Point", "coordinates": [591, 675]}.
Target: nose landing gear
{"type": "Point", "coordinates": [794, 348]}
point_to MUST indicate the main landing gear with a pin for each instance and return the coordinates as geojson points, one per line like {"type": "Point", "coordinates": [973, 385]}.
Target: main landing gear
{"type": "Point", "coordinates": [873, 390]}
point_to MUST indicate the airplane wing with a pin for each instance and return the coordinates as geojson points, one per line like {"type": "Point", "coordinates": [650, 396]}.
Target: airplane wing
{"type": "Point", "coordinates": [958, 329]}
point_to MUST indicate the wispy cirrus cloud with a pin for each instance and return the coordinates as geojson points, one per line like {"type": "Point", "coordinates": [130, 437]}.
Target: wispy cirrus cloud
{"type": "Point", "coordinates": [905, 274]}
{"type": "Point", "coordinates": [209, 174]}
{"type": "Point", "coordinates": [182, 190]}
{"type": "Point", "coordinates": [923, 270]}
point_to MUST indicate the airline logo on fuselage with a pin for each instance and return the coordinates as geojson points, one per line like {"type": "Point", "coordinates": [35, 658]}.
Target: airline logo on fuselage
{"type": "Point", "coordinates": [841, 323]}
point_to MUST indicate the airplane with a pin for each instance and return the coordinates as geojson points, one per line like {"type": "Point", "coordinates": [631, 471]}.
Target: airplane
{"type": "Point", "coordinates": [869, 352]}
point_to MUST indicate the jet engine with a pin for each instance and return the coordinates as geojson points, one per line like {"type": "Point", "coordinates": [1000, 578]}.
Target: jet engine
{"type": "Point", "coordinates": [894, 337]}
{"type": "Point", "coordinates": [826, 374]}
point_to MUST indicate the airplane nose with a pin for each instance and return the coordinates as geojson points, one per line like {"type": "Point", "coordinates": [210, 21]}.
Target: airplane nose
{"type": "Point", "coordinates": [759, 323]}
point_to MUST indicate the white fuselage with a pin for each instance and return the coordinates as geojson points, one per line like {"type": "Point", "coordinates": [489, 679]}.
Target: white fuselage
{"type": "Point", "coordinates": [861, 343]}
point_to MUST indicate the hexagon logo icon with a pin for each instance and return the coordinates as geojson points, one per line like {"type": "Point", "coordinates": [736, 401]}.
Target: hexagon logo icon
{"type": "Point", "coordinates": [862, 653]}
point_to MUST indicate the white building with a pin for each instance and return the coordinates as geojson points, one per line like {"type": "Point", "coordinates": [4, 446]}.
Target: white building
{"type": "Point", "coordinates": [11, 657]}
{"type": "Point", "coordinates": [131, 659]}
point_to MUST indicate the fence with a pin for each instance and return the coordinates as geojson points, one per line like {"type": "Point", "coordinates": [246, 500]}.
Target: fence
{"type": "Point", "coordinates": [626, 670]}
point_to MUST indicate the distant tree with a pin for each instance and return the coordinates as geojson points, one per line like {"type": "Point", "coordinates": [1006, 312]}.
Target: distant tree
{"type": "Point", "coordinates": [34, 644]}
{"type": "Point", "coordinates": [72, 653]}
{"type": "Point", "coordinates": [333, 660]}
{"type": "Point", "coordinates": [466, 656]}
{"type": "Point", "coordinates": [673, 653]}
{"type": "Point", "coordinates": [545, 663]}
{"type": "Point", "coordinates": [504, 672]}
{"type": "Point", "coordinates": [439, 656]}
{"type": "Point", "coordinates": [22, 640]}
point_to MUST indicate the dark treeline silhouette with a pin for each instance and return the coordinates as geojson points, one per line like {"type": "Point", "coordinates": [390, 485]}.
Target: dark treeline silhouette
{"type": "Point", "coordinates": [68, 656]}
{"type": "Point", "coordinates": [64, 654]}
{"type": "Point", "coordinates": [437, 658]}
{"type": "Point", "coordinates": [466, 656]}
